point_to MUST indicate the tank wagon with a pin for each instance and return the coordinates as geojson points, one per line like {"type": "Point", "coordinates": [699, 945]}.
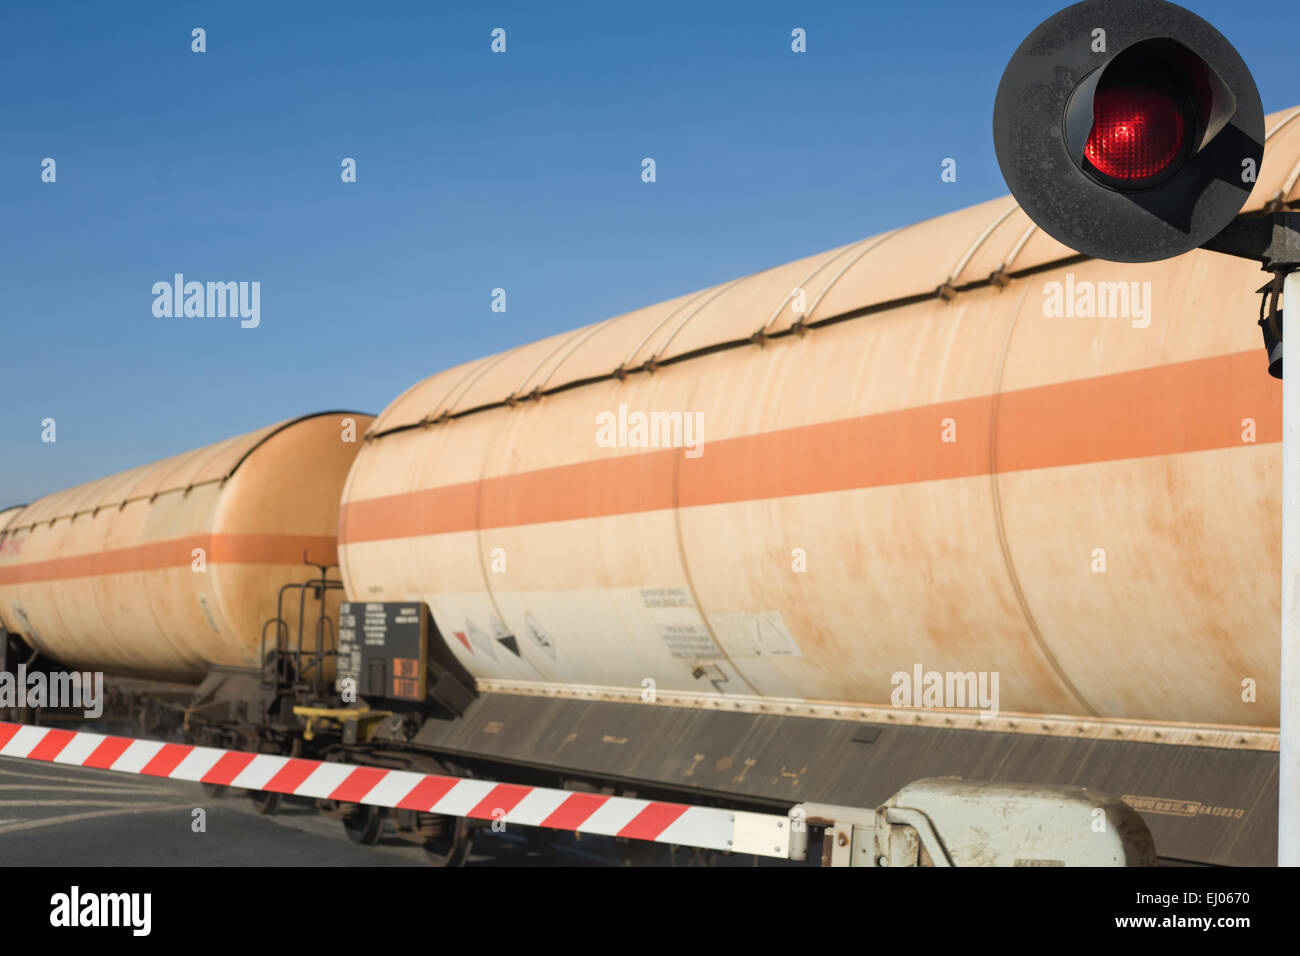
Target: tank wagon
{"type": "Point", "coordinates": [180, 571]}
{"type": "Point", "coordinates": [722, 547]}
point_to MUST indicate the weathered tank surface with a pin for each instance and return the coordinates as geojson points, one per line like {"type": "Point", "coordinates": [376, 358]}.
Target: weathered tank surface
{"type": "Point", "coordinates": [166, 569]}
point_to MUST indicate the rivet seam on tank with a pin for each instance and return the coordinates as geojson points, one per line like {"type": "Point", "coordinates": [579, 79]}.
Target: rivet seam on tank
{"type": "Point", "coordinates": [542, 385]}
{"type": "Point", "coordinates": [442, 407]}
{"type": "Point", "coordinates": [636, 349]}
{"type": "Point", "coordinates": [789, 296]}
{"type": "Point", "coordinates": [192, 464]}
{"type": "Point", "coordinates": [450, 407]}
{"type": "Point", "coordinates": [517, 394]}
{"type": "Point", "coordinates": [872, 242]}
{"type": "Point", "coordinates": [951, 282]}
{"type": "Point", "coordinates": [371, 429]}
{"type": "Point", "coordinates": [998, 277]}
{"type": "Point", "coordinates": [655, 353]}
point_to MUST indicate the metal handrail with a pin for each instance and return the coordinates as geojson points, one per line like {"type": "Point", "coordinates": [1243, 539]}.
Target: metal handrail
{"type": "Point", "coordinates": [324, 626]}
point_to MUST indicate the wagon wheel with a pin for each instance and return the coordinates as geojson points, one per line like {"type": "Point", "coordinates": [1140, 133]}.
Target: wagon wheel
{"type": "Point", "coordinates": [364, 824]}
{"type": "Point", "coordinates": [449, 841]}
{"type": "Point", "coordinates": [265, 802]}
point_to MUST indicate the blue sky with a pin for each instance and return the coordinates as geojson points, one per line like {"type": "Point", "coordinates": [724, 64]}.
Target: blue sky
{"type": "Point", "coordinates": [474, 171]}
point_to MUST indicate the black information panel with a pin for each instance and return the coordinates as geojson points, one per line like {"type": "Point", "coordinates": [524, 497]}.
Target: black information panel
{"type": "Point", "coordinates": [383, 647]}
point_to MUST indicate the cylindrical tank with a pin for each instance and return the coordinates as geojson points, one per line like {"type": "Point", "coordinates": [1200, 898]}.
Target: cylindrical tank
{"type": "Point", "coordinates": [166, 569]}
{"type": "Point", "coordinates": [958, 447]}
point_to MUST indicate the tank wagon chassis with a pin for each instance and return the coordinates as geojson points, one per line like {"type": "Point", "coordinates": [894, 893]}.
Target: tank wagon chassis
{"type": "Point", "coordinates": [286, 709]}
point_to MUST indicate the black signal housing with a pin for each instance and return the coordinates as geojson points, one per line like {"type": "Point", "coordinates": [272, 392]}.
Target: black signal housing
{"type": "Point", "coordinates": [1129, 130]}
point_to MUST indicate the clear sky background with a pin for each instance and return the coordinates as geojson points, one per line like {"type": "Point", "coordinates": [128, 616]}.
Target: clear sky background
{"type": "Point", "coordinates": [474, 171]}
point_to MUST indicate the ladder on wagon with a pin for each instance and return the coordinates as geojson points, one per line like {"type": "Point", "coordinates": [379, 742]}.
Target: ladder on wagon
{"type": "Point", "coordinates": [284, 663]}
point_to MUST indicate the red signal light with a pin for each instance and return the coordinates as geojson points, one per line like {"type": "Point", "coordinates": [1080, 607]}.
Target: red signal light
{"type": "Point", "coordinates": [1137, 133]}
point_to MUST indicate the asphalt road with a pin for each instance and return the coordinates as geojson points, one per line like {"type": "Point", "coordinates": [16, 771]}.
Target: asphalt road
{"type": "Point", "coordinates": [58, 815]}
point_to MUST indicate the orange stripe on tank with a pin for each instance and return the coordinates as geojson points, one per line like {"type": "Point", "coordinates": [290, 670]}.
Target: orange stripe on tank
{"type": "Point", "coordinates": [176, 553]}
{"type": "Point", "coordinates": [1164, 410]}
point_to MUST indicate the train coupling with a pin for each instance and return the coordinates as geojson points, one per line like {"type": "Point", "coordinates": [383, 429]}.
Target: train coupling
{"type": "Point", "coordinates": [355, 724]}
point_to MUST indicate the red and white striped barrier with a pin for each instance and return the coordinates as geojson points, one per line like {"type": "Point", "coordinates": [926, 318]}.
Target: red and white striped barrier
{"type": "Point", "coordinates": [710, 828]}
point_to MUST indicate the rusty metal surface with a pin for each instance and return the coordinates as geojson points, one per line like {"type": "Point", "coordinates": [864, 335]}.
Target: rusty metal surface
{"type": "Point", "coordinates": [1202, 805]}
{"type": "Point", "coordinates": [104, 576]}
{"type": "Point", "coordinates": [988, 570]}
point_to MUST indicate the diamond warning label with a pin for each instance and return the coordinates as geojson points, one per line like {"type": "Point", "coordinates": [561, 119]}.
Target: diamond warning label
{"type": "Point", "coordinates": [479, 639]}
{"type": "Point", "coordinates": [754, 634]}
{"type": "Point", "coordinates": [540, 637]}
